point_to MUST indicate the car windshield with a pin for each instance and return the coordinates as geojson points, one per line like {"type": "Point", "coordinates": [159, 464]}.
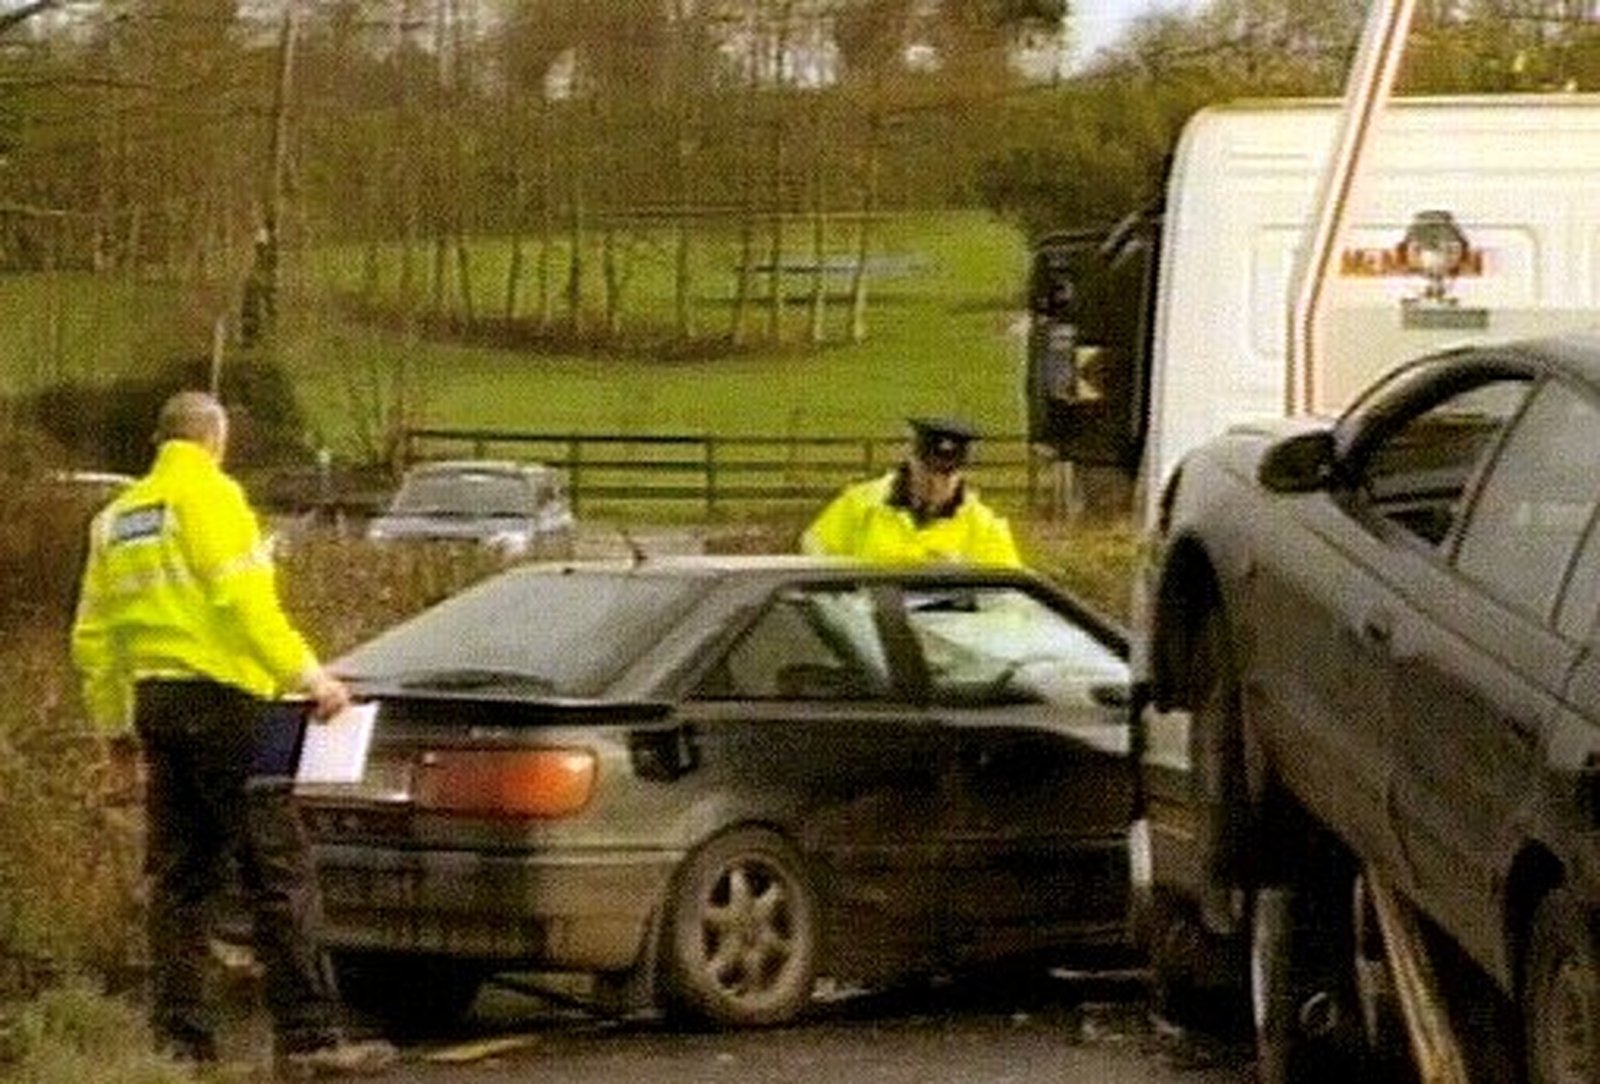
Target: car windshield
{"type": "Point", "coordinates": [466, 493]}
{"type": "Point", "coordinates": [528, 632]}
{"type": "Point", "coordinates": [1002, 644]}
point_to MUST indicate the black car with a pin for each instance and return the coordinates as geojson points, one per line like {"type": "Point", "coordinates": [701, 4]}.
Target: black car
{"type": "Point", "coordinates": [707, 782]}
{"type": "Point", "coordinates": [1382, 636]}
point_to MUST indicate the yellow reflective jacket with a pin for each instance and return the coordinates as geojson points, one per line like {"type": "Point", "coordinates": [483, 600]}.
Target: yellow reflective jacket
{"type": "Point", "coordinates": [180, 583]}
{"type": "Point", "coordinates": [868, 522]}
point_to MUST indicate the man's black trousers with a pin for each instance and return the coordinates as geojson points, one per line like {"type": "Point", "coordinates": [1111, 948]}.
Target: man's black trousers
{"type": "Point", "coordinates": [203, 813]}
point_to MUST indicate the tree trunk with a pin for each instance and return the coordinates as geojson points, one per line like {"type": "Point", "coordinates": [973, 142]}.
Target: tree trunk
{"type": "Point", "coordinates": [370, 260]}
{"type": "Point", "coordinates": [264, 273]}
{"type": "Point", "coordinates": [547, 220]}
{"type": "Point", "coordinates": [441, 270]}
{"type": "Point", "coordinates": [683, 255]}
{"type": "Point", "coordinates": [775, 283]}
{"type": "Point", "coordinates": [612, 274]}
{"type": "Point", "coordinates": [869, 209]}
{"type": "Point", "coordinates": [745, 272]}
{"type": "Point", "coordinates": [514, 262]}
{"type": "Point", "coordinates": [575, 261]}
{"type": "Point", "coordinates": [683, 278]}
{"type": "Point", "coordinates": [464, 276]}
{"type": "Point", "coordinates": [819, 236]}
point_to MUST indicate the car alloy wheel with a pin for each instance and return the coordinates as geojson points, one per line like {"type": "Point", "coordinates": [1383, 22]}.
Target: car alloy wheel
{"type": "Point", "coordinates": [741, 938]}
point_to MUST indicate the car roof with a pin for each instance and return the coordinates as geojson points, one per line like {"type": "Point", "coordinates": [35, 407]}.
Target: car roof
{"type": "Point", "coordinates": [476, 466]}
{"type": "Point", "coordinates": [1575, 353]}
{"type": "Point", "coordinates": [755, 573]}
{"type": "Point", "coordinates": [790, 565]}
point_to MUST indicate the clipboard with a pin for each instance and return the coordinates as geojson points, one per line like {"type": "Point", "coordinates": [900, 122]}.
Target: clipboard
{"type": "Point", "coordinates": [280, 736]}
{"type": "Point", "coordinates": [289, 747]}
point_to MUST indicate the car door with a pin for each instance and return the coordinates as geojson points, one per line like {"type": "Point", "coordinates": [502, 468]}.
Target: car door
{"type": "Point", "coordinates": [1478, 663]}
{"type": "Point", "coordinates": [1312, 669]}
{"type": "Point", "coordinates": [1332, 589]}
{"type": "Point", "coordinates": [1035, 701]}
{"type": "Point", "coordinates": [805, 723]}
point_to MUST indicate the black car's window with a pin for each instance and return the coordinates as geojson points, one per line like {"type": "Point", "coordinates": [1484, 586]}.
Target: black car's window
{"type": "Point", "coordinates": [1537, 501]}
{"type": "Point", "coordinates": [808, 645]}
{"type": "Point", "coordinates": [565, 634]}
{"type": "Point", "coordinates": [1580, 602]}
{"type": "Point", "coordinates": [1000, 645]}
{"type": "Point", "coordinates": [1416, 477]}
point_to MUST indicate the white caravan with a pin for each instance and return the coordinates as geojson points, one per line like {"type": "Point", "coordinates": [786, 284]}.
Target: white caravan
{"type": "Point", "coordinates": [1471, 218]}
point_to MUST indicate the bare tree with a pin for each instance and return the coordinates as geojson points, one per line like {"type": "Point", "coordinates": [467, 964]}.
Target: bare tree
{"type": "Point", "coordinates": [689, 90]}
{"type": "Point", "coordinates": [874, 37]}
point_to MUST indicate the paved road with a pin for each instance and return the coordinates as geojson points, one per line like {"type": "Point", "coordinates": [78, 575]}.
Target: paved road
{"type": "Point", "coordinates": [1058, 1027]}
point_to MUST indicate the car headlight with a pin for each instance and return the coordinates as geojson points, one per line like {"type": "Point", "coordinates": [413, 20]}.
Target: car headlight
{"type": "Point", "coordinates": [377, 534]}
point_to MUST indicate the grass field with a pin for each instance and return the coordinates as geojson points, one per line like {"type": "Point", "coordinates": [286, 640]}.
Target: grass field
{"type": "Point", "coordinates": [941, 340]}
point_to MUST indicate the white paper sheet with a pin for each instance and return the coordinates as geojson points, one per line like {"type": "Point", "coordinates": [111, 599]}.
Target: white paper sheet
{"type": "Point", "coordinates": [336, 751]}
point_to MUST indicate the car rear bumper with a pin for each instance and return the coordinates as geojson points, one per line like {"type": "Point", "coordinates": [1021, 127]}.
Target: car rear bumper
{"type": "Point", "coordinates": [581, 913]}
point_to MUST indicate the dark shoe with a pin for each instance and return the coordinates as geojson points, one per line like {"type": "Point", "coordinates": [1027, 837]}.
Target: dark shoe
{"type": "Point", "coordinates": [340, 1057]}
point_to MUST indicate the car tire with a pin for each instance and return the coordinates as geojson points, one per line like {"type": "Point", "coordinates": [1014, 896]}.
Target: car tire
{"type": "Point", "coordinates": [741, 939]}
{"type": "Point", "coordinates": [1288, 990]}
{"type": "Point", "coordinates": [1561, 993]}
{"type": "Point", "coordinates": [407, 994]}
{"type": "Point", "coordinates": [1304, 980]}
{"type": "Point", "coordinates": [1383, 1027]}
{"type": "Point", "coordinates": [1199, 980]}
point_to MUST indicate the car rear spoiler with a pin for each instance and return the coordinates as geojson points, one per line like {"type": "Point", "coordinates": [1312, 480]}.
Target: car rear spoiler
{"type": "Point", "coordinates": [481, 708]}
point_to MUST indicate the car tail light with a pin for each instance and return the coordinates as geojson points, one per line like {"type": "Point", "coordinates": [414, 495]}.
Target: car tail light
{"type": "Point", "coordinates": [509, 782]}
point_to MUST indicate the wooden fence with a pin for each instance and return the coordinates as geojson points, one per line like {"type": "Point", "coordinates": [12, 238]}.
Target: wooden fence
{"type": "Point", "coordinates": [719, 474]}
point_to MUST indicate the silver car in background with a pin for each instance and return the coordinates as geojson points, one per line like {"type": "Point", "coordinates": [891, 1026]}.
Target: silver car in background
{"type": "Point", "coordinates": [515, 509]}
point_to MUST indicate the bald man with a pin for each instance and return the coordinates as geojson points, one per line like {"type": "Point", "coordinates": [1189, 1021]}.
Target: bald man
{"type": "Point", "coordinates": [180, 635]}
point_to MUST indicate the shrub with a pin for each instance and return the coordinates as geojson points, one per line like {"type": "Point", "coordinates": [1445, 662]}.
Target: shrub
{"type": "Point", "coordinates": [69, 856]}
{"type": "Point", "coordinates": [109, 425]}
{"type": "Point", "coordinates": [1096, 562]}
{"type": "Point", "coordinates": [42, 530]}
{"type": "Point", "coordinates": [341, 591]}
{"type": "Point", "coordinates": [69, 860]}
{"type": "Point", "coordinates": [73, 1033]}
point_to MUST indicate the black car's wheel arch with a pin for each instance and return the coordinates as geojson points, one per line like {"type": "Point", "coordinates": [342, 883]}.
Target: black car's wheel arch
{"type": "Point", "coordinates": [1262, 827]}
{"type": "Point", "coordinates": [1193, 653]}
{"type": "Point", "coordinates": [1188, 593]}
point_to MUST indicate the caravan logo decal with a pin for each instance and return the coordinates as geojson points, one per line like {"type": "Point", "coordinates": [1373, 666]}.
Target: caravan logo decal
{"type": "Point", "coordinates": [1434, 248]}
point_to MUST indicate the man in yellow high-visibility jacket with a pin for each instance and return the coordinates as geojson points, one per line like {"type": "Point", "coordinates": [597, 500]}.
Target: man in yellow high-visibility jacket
{"type": "Point", "coordinates": [920, 512]}
{"type": "Point", "coordinates": [179, 633]}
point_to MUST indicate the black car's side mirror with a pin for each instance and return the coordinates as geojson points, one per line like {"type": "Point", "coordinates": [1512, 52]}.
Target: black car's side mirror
{"type": "Point", "coordinates": [1302, 463]}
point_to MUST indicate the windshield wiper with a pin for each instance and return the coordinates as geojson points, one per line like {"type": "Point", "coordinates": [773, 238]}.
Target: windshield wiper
{"type": "Point", "coordinates": [476, 679]}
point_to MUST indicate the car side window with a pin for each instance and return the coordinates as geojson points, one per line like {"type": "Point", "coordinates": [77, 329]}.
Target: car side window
{"type": "Point", "coordinates": [808, 645]}
{"type": "Point", "coordinates": [1580, 602]}
{"type": "Point", "coordinates": [990, 646]}
{"type": "Point", "coordinates": [1537, 502]}
{"type": "Point", "coordinates": [1418, 476]}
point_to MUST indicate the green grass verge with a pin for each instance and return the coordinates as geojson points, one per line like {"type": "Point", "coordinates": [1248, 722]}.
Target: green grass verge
{"type": "Point", "coordinates": [74, 1034]}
